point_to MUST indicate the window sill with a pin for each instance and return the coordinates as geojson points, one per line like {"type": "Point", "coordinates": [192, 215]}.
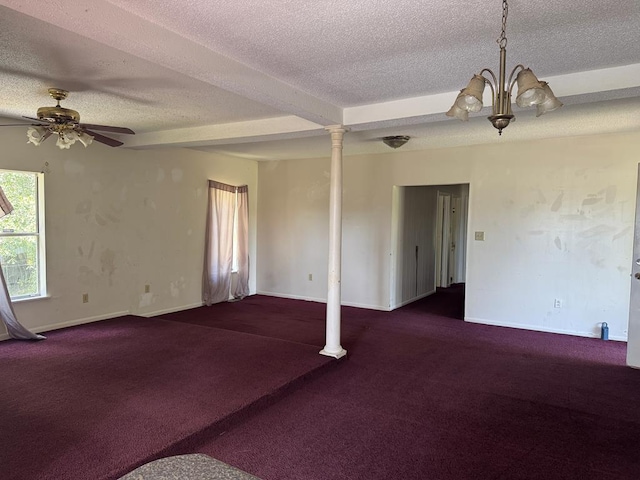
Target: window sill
{"type": "Point", "coordinates": [30, 299]}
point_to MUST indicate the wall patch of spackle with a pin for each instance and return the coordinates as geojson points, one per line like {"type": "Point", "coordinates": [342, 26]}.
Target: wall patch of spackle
{"type": "Point", "coordinates": [149, 203]}
{"type": "Point", "coordinates": [177, 287]}
{"type": "Point", "coordinates": [108, 264]}
{"type": "Point", "coordinates": [176, 175]}
{"type": "Point", "coordinates": [558, 243]}
{"type": "Point", "coordinates": [319, 190]}
{"type": "Point", "coordinates": [557, 203]}
{"type": "Point", "coordinates": [84, 207]}
{"type": "Point", "coordinates": [71, 167]}
{"type": "Point", "coordinates": [146, 299]}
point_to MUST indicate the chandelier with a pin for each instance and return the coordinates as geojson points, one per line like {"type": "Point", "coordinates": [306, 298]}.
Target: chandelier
{"type": "Point", "coordinates": [531, 91]}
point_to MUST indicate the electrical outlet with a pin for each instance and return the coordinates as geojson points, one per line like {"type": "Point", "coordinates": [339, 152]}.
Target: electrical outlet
{"type": "Point", "coordinates": [311, 277]}
{"type": "Point", "coordinates": [147, 288]}
{"type": "Point", "coordinates": [85, 298]}
{"type": "Point", "coordinates": [557, 303]}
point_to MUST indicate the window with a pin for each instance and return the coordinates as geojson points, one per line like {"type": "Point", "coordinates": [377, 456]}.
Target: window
{"type": "Point", "coordinates": [22, 234]}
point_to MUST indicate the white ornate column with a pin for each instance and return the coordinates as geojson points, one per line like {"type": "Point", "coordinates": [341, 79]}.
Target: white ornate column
{"type": "Point", "coordinates": [332, 347]}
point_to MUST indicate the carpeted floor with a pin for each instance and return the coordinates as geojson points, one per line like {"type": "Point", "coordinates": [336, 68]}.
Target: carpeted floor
{"type": "Point", "coordinates": [421, 395]}
{"type": "Point", "coordinates": [97, 400]}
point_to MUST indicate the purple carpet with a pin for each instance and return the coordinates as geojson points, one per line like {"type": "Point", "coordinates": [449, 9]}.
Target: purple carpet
{"type": "Point", "coordinates": [95, 401]}
{"type": "Point", "coordinates": [424, 395]}
{"type": "Point", "coordinates": [421, 395]}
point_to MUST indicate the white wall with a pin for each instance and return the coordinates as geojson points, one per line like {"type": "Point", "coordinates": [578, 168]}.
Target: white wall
{"type": "Point", "coordinates": [118, 219]}
{"type": "Point", "coordinates": [557, 216]}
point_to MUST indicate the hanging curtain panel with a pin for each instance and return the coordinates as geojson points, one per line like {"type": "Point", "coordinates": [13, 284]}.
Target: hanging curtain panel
{"type": "Point", "coordinates": [242, 254]}
{"type": "Point", "coordinates": [227, 204]}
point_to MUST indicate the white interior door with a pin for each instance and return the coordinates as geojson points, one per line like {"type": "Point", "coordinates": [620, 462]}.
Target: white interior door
{"type": "Point", "coordinates": [633, 340]}
{"type": "Point", "coordinates": [443, 240]}
{"type": "Point", "coordinates": [460, 239]}
{"type": "Point", "coordinates": [454, 249]}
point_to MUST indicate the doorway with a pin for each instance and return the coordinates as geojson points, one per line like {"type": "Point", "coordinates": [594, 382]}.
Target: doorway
{"type": "Point", "coordinates": [451, 235]}
{"type": "Point", "coordinates": [429, 234]}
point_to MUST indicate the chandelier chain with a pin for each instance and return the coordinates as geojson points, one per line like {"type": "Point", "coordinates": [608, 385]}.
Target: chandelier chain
{"type": "Point", "coordinates": [502, 39]}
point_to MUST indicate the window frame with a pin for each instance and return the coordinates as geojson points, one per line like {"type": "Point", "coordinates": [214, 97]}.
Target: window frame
{"type": "Point", "coordinates": [39, 234]}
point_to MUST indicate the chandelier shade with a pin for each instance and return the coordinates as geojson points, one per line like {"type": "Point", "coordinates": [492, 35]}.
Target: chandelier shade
{"type": "Point", "coordinates": [457, 112]}
{"type": "Point", "coordinates": [470, 98]}
{"type": "Point", "coordinates": [531, 91]}
{"type": "Point", "coordinates": [550, 103]}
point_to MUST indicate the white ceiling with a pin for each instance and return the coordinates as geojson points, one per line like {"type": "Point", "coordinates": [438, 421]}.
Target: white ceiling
{"type": "Point", "coordinates": [262, 78]}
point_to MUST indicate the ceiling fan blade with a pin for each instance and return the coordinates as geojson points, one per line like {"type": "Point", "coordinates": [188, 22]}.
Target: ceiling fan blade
{"type": "Point", "coordinates": [16, 124]}
{"type": "Point", "coordinates": [106, 128]}
{"type": "Point", "coordinates": [102, 139]}
{"type": "Point", "coordinates": [46, 135]}
{"type": "Point", "coordinates": [43, 122]}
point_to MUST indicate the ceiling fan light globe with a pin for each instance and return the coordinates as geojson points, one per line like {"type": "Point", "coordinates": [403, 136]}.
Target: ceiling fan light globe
{"type": "Point", "coordinates": [36, 135]}
{"type": "Point", "coordinates": [65, 141]}
{"type": "Point", "coordinates": [85, 139]}
{"type": "Point", "coordinates": [71, 135]}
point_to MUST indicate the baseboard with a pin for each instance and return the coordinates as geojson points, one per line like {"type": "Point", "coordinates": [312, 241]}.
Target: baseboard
{"type": "Point", "coordinates": [170, 310]}
{"type": "Point", "coordinates": [323, 300]}
{"type": "Point", "coordinates": [366, 306]}
{"type": "Point", "coordinates": [292, 297]}
{"type": "Point", "coordinates": [411, 300]}
{"type": "Point", "coordinates": [538, 328]}
{"type": "Point", "coordinates": [71, 323]}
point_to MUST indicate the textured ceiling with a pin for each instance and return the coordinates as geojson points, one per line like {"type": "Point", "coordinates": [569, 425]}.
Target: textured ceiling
{"type": "Point", "coordinates": [261, 78]}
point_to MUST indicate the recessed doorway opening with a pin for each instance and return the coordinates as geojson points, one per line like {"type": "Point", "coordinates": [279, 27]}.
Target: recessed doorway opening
{"type": "Point", "coordinates": [429, 243]}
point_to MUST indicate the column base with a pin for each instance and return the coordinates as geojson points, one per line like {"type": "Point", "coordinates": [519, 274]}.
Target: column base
{"type": "Point", "coordinates": [339, 354]}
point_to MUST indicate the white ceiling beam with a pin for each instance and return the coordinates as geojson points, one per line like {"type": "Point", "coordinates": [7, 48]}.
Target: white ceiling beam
{"type": "Point", "coordinates": [221, 134]}
{"type": "Point", "coordinates": [151, 42]}
{"type": "Point", "coordinates": [593, 81]}
{"type": "Point", "coordinates": [570, 85]}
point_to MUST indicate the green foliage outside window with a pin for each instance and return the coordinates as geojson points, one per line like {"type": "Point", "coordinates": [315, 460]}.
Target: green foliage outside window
{"type": "Point", "coordinates": [19, 233]}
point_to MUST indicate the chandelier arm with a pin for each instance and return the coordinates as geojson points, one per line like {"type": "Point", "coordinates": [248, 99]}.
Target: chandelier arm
{"type": "Point", "coordinates": [493, 86]}
{"type": "Point", "coordinates": [493, 76]}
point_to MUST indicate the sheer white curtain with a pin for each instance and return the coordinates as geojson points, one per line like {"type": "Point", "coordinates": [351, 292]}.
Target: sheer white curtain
{"type": "Point", "coordinates": [7, 315]}
{"type": "Point", "coordinates": [241, 289]}
{"type": "Point", "coordinates": [219, 253]}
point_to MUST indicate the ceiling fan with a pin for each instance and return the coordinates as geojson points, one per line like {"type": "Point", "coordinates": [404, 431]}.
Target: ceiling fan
{"type": "Point", "coordinates": [65, 123]}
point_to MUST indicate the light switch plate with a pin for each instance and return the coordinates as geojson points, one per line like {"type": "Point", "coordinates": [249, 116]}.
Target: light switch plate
{"type": "Point", "coordinates": [480, 236]}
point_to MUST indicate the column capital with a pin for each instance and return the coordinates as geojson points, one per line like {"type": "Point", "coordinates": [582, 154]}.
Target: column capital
{"type": "Point", "coordinates": [337, 129]}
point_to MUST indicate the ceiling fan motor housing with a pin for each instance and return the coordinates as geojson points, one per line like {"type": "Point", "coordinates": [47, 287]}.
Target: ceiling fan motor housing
{"type": "Point", "coordinates": [58, 115]}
